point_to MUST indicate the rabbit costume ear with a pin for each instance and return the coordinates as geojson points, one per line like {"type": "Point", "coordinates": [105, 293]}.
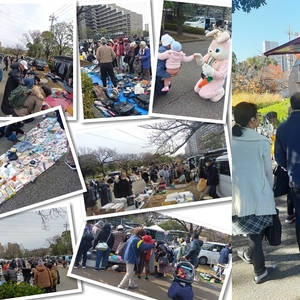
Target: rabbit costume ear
{"type": "Point", "coordinates": [219, 35]}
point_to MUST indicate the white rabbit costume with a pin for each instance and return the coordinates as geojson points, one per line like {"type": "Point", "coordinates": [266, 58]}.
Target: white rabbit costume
{"type": "Point", "coordinates": [215, 65]}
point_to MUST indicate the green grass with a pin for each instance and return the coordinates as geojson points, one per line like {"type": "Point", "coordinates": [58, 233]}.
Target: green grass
{"type": "Point", "coordinates": [265, 103]}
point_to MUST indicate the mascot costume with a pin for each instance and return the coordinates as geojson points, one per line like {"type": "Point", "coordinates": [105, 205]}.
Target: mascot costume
{"type": "Point", "coordinates": [214, 67]}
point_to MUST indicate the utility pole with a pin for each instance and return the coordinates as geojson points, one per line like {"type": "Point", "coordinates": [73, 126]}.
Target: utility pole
{"type": "Point", "coordinates": [66, 225]}
{"type": "Point", "coordinates": [52, 18]}
{"type": "Point", "coordinates": [289, 33]}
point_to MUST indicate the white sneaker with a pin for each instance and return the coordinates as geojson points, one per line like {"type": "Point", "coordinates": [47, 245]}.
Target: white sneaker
{"type": "Point", "coordinates": [83, 267]}
{"type": "Point", "coordinates": [121, 287]}
{"type": "Point", "coordinates": [132, 286]}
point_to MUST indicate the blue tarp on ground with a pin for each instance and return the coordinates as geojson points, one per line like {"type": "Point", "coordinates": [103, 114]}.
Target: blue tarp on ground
{"type": "Point", "coordinates": [122, 99]}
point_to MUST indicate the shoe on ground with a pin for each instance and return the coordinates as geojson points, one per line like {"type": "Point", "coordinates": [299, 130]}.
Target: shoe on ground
{"type": "Point", "coordinates": [96, 269]}
{"type": "Point", "coordinates": [241, 255]}
{"type": "Point", "coordinates": [72, 167]}
{"type": "Point", "coordinates": [132, 286]}
{"type": "Point", "coordinates": [76, 267]}
{"type": "Point", "coordinates": [290, 219]}
{"type": "Point", "coordinates": [83, 267]}
{"type": "Point", "coordinates": [261, 278]}
{"type": "Point", "coordinates": [165, 89]}
{"type": "Point", "coordinates": [138, 277]}
{"type": "Point", "coordinates": [146, 278]}
{"type": "Point", "coordinates": [159, 275]}
{"type": "Point", "coordinates": [121, 287]}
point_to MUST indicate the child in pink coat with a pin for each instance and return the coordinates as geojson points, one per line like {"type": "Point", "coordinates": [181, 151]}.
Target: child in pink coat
{"type": "Point", "coordinates": [173, 57]}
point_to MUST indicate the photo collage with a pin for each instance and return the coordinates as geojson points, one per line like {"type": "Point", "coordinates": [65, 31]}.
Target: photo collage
{"type": "Point", "coordinates": [146, 151]}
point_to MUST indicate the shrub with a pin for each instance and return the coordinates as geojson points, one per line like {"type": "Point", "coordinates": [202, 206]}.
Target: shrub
{"type": "Point", "coordinates": [170, 26]}
{"type": "Point", "coordinates": [87, 96]}
{"type": "Point", "coordinates": [12, 290]}
{"type": "Point", "coordinates": [194, 30]}
{"type": "Point", "coordinates": [187, 29]}
{"type": "Point", "coordinates": [280, 108]}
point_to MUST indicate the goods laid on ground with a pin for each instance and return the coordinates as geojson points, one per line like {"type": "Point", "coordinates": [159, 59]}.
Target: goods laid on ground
{"type": "Point", "coordinates": [25, 161]}
{"type": "Point", "coordinates": [131, 98]}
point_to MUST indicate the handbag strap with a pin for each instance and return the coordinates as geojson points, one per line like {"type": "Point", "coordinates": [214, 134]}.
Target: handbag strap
{"type": "Point", "coordinates": [108, 237]}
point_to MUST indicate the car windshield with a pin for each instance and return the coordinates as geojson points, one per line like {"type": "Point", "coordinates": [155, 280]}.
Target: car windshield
{"type": "Point", "coordinates": [206, 246]}
{"type": "Point", "coordinates": [196, 19]}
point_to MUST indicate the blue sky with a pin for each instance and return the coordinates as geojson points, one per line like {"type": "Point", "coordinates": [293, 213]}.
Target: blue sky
{"type": "Point", "coordinates": [268, 23]}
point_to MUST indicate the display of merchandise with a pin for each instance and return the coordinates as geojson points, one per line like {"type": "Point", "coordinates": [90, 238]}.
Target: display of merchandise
{"type": "Point", "coordinates": [40, 149]}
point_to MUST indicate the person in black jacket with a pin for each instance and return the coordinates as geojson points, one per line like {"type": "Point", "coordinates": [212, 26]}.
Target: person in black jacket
{"type": "Point", "coordinates": [105, 191]}
{"type": "Point", "coordinates": [90, 200]}
{"type": "Point", "coordinates": [104, 235]}
{"type": "Point", "coordinates": [123, 186]}
{"type": "Point", "coordinates": [15, 78]}
{"type": "Point", "coordinates": [85, 245]}
{"type": "Point", "coordinates": [145, 176]}
{"type": "Point", "coordinates": [212, 178]}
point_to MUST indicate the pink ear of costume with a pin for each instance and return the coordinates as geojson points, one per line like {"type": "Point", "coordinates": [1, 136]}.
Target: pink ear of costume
{"type": "Point", "coordinates": [220, 37]}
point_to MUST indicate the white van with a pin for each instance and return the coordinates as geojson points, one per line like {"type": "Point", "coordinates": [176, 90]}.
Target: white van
{"type": "Point", "coordinates": [224, 189]}
{"type": "Point", "coordinates": [200, 22]}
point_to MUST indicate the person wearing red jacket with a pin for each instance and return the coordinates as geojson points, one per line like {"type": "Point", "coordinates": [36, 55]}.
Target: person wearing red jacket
{"type": "Point", "coordinates": [145, 256]}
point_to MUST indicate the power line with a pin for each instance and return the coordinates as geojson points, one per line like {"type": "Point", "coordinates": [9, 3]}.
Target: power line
{"type": "Point", "coordinates": [60, 8]}
{"type": "Point", "coordinates": [64, 11]}
{"type": "Point", "coordinates": [22, 15]}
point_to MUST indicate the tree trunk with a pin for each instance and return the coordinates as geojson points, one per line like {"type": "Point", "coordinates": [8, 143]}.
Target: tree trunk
{"type": "Point", "coordinates": [179, 19]}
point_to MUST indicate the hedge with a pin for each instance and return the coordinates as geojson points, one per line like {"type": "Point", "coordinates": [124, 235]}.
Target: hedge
{"type": "Point", "coordinates": [12, 290]}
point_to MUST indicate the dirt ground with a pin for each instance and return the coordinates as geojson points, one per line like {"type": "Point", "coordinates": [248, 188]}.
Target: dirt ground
{"type": "Point", "coordinates": [158, 199]}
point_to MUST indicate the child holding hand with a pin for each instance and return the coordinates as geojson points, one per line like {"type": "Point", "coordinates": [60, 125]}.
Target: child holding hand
{"type": "Point", "coordinates": [174, 57]}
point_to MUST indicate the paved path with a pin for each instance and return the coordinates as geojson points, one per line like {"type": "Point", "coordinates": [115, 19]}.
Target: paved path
{"type": "Point", "coordinates": [156, 288]}
{"type": "Point", "coordinates": [283, 282]}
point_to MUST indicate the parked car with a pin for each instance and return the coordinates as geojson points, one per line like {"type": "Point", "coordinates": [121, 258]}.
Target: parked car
{"type": "Point", "coordinates": [40, 64]}
{"type": "Point", "coordinates": [210, 253]}
{"type": "Point", "coordinates": [224, 189]}
{"type": "Point", "coordinates": [203, 22]}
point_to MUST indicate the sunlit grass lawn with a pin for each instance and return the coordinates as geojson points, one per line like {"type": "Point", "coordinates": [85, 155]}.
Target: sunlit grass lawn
{"type": "Point", "coordinates": [265, 103]}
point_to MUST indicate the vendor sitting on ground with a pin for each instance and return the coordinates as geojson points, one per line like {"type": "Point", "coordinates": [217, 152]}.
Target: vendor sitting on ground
{"type": "Point", "coordinates": [11, 131]}
{"type": "Point", "coordinates": [33, 102]}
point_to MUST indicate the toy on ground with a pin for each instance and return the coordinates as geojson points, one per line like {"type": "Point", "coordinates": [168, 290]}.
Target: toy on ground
{"type": "Point", "coordinates": [214, 67]}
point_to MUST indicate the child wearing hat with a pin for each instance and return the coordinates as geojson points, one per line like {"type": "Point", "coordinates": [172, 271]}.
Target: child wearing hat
{"type": "Point", "coordinates": [173, 58]}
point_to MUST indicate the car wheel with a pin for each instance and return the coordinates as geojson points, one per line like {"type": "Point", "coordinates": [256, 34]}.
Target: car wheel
{"type": "Point", "coordinates": [202, 260]}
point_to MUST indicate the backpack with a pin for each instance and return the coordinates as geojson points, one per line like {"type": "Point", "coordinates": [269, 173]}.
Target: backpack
{"type": "Point", "coordinates": [18, 96]}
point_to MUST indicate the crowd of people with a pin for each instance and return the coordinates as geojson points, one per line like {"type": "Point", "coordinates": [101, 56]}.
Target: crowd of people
{"type": "Point", "coordinates": [17, 76]}
{"type": "Point", "coordinates": [119, 55]}
{"type": "Point", "coordinates": [254, 209]}
{"type": "Point", "coordinates": [165, 175]}
{"type": "Point", "coordinates": [135, 249]}
{"type": "Point", "coordinates": [38, 272]}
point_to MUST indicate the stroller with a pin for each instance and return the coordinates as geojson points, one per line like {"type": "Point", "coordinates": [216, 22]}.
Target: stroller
{"type": "Point", "coordinates": [183, 277]}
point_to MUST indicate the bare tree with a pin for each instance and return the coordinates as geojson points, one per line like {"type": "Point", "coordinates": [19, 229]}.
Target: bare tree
{"type": "Point", "coordinates": [105, 155]}
{"type": "Point", "coordinates": [170, 136]}
{"type": "Point", "coordinates": [51, 214]}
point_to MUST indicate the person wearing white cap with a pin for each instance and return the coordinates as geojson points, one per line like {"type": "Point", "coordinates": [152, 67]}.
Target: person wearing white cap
{"type": "Point", "coordinates": [173, 57]}
{"type": "Point", "coordinates": [15, 78]}
{"type": "Point", "coordinates": [166, 41]}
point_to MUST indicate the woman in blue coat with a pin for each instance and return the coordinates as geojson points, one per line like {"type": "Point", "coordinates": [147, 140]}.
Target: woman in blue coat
{"type": "Point", "coordinates": [146, 62]}
{"type": "Point", "coordinates": [131, 255]}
